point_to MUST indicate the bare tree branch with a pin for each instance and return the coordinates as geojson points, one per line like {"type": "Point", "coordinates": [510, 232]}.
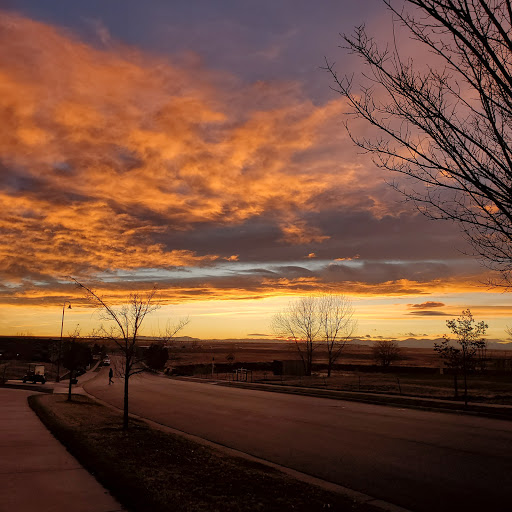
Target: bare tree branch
{"type": "Point", "coordinates": [448, 128]}
{"type": "Point", "coordinates": [316, 320]}
{"type": "Point", "coordinates": [127, 320]}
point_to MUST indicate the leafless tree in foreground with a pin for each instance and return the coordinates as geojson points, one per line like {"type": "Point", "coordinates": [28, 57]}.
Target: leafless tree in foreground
{"type": "Point", "coordinates": [312, 320]}
{"type": "Point", "coordinates": [127, 321]}
{"type": "Point", "coordinates": [448, 127]}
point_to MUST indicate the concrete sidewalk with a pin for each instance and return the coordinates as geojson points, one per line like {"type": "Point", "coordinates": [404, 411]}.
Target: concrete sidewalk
{"type": "Point", "coordinates": [36, 471]}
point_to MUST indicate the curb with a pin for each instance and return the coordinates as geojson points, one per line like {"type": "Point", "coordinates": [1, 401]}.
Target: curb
{"type": "Point", "coordinates": [503, 413]}
{"type": "Point", "coordinates": [361, 498]}
{"type": "Point", "coordinates": [424, 404]}
{"type": "Point", "coordinates": [40, 388]}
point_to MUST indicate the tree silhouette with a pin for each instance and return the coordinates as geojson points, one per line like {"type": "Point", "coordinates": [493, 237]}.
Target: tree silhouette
{"type": "Point", "coordinates": [316, 320]}
{"type": "Point", "coordinates": [469, 340]}
{"type": "Point", "coordinates": [386, 352]}
{"type": "Point", "coordinates": [447, 126]}
{"type": "Point", "coordinates": [126, 322]}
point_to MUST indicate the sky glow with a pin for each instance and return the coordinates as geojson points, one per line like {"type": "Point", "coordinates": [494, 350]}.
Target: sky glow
{"type": "Point", "coordinates": [197, 147]}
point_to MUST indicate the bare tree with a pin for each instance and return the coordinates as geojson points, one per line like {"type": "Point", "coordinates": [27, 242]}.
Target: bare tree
{"type": "Point", "coordinates": [172, 329]}
{"type": "Point", "coordinates": [448, 126]}
{"type": "Point", "coordinates": [469, 338]}
{"type": "Point", "coordinates": [314, 320]}
{"type": "Point", "coordinates": [127, 321]}
{"type": "Point", "coordinates": [301, 323]}
{"type": "Point", "coordinates": [337, 325]}
{"type": "Point", "coordinates": [385, 352]}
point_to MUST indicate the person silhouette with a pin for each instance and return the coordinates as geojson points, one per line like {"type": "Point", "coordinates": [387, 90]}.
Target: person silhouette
{"type": "Point", "coordinates": [110, 375]}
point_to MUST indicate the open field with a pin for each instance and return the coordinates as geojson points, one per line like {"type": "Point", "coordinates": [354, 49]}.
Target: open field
{"type": "Point", "coordinates": [481, 388]}
{"type": "Point", "coordinates": [148, 469]}
{"type": "Point", "coordinates": [417, 373]}
{"type": "Point", "coordinates": [202, 352]}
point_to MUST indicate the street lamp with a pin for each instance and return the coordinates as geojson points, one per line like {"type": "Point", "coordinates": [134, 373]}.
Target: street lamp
{"type": "Point", "coordinates": [57, 379]}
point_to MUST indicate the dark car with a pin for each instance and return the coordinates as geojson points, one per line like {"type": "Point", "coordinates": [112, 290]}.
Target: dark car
{"type": "Point", "coordinates": [35, 373]}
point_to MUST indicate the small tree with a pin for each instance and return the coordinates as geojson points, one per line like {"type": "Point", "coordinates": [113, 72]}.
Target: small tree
{"type": "Point", "coordinates": [337, 325]}
{"type": "Point", "coordinates": [386, 352]}
{"type": "Point", "coordinates": [127, 322]}
{"type": "Point", "coordinates": [301, 323]}
{"type": "Point", "coordinates": [230, 358]}
{"type": "Point", "coordinates": [313, 320]}
{"type": "Point", "coordinates": [470, 342]}
{"type": "Point", "coordinates": [75, 355]}
{"type": "Point", "coordinates": [156, 356]}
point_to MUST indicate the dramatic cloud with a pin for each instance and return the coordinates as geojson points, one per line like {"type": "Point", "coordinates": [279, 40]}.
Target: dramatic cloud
{"type": "Point", "coordinates": [127, 169]}
{"type": "Point", "coordinates": [104, 152]}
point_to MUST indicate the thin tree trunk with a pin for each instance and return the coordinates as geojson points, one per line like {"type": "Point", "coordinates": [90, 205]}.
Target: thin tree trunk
{"type": "Point", "coordinates": [465, 372]}
{"type": "Point", "coordinates": [70, 383]}
{"type": "Point", "coordinates": [310, 359]}
{"type": "Point", "coordinates": [465, 387]}
{"type": "Point", "coordinates": [125, 408]}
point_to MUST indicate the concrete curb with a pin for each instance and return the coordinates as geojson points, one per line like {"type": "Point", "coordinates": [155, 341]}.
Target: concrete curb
{"type": "Point", "coordinates": [303, 477]}
{"type": "Point", "coordinates": [425, 404]}
{"type": "Point", "coordinates": [37, 388]}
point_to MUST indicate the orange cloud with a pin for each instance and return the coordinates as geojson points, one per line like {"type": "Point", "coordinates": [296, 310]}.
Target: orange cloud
{"type": "Point", "coordinates": [113, 161]}
{"type": "Point", "coordinates": [108, 151]}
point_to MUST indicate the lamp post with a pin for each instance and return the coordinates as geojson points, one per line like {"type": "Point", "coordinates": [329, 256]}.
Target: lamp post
{"type": "Point", "coordinates": [57, 379]}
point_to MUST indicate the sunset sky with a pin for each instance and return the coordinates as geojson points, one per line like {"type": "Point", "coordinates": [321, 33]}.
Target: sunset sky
{"type": "Point", "coordinates": [197, 146]}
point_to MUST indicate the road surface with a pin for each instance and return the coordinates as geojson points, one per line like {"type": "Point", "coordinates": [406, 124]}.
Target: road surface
{"type": "Point", "coordinates": [424, 461]}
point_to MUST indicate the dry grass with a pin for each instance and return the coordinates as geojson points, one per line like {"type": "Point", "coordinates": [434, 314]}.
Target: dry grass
{"type": "Point", "coordinates": [481, 388]}
{"type": "Point", "coordinates": [147, 469]}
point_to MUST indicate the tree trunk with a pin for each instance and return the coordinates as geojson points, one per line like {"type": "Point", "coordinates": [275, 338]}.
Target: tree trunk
{"type": "Point", "coordinates": [465, 374]}
{"type": "Point", "coordinates": [456, 385]}
{"type": "Point", "coordinates": [125, 408]}
{"type": "Point", "coordinates": [70, 383]}
{"type": "Point", "coordinates": [465, 387]}
{"type": "Point", "coordinates": [310, 361]}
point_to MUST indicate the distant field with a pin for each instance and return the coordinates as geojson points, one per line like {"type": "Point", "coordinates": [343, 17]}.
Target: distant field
{"type": "Point", "coordinates": [264, 351]}
{"type": "Point", "coordinates": [227, 355]}
{"type": "Point", "coordinates": [482, 387]}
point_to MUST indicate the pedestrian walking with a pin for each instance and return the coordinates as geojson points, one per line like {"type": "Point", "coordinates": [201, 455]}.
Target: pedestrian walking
{"type": "Point", "coordinates": [110, 375]}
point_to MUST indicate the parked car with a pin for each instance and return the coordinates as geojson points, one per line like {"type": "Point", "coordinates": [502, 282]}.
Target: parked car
{"type": "Point", "coordinates": [35, 373]}
{"type": "Point", "coordinates": [106, 361]}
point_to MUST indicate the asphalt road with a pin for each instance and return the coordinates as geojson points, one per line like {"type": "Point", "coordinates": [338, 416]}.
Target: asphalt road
{"type": "Point", "coordinates": [423, 461]}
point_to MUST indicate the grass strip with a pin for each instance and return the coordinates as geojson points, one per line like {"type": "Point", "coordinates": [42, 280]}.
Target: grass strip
{"type": "Point", "coordinates": [150, 470]}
